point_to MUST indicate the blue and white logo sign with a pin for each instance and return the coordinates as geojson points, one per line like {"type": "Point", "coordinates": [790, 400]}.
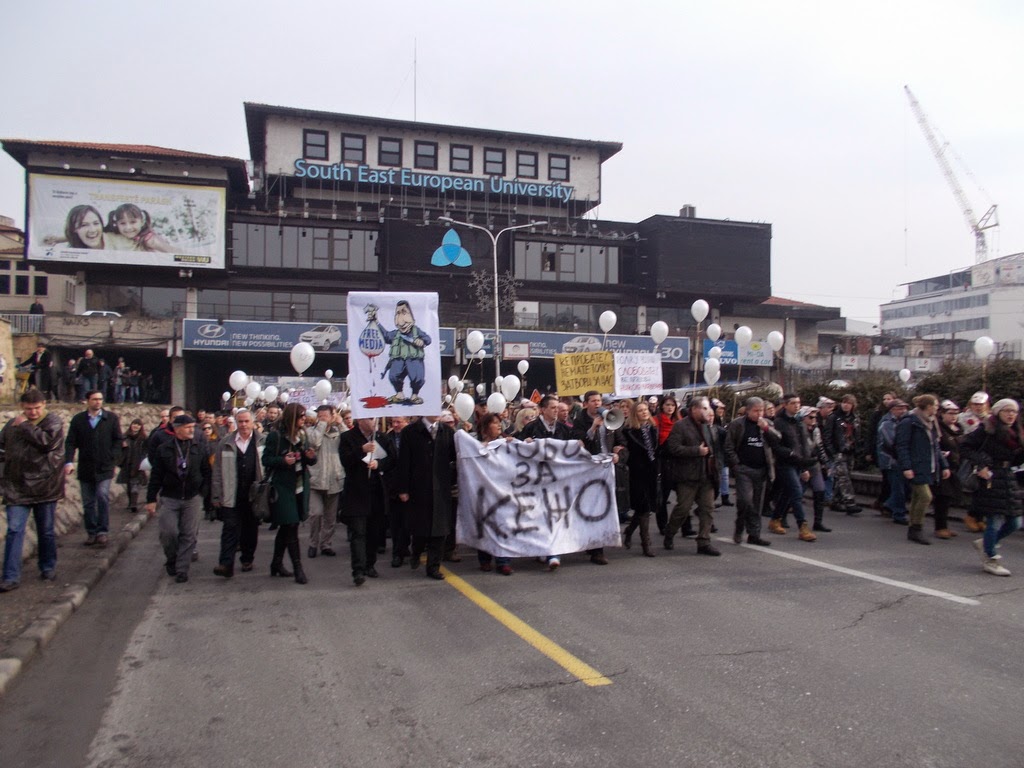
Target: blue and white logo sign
{"type": "Point", "coordinates": [451, 252]}
{"type": "Point", "coordinates": [211, 331]}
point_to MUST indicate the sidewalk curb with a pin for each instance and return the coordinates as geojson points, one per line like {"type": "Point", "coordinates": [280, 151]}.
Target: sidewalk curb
{"type": "Point", "coordinates": [44, 627]}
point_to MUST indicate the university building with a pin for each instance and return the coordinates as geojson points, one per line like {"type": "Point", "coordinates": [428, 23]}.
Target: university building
{"type": "Point", "coordinates": [218, 263]}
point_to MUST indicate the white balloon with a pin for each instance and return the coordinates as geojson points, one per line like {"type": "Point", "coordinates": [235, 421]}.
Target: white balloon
{"type": "Point", "coordinates": [302, 356]}
{"type": "Point", "coordinates": [253, 389]}
{"type": "Point", "coordinates": [452, 383]}
{"type": "Point", "coordinates": [284, 397]}
{"type": "Point", "coordinates": [607, 320]}
{"type": "Point", "coordinates": [523, 367]}
{"type": "Point", "coordinates": [714, 331]}
{"type": "Point", "coordinates": [464, 406]}
{"type": "Point", "coordinates": [659, 332]}
{"type": "Point", "coordinates": [271, 392]}
{"type": "Point", "coordinates": [905, 375]}
{"type": "Point", "coordinates": [248, 402]}
{"type": "Point", "coordinates": [447, 399]}
{"type": "Point", "coordinates": [712, 364]}
{"type": "Point", "coordinates": [238, 380]}
{"type": "Point", "coordinates": [716, 353]}
{"type": "Point", "coordinates": [329, 374]}
{"type": "Point", "coordinates": [510, 386]}
{"type": "Point", "coordinates": [262, 396]}
{"type": "Point", "coordinates": [474, 342]}
{"type": "Point", "coordinates": [459, 386]}
{"type": "Point", "coordinates": [348, 383]}
{"type": "Point", "coordinates": [496, 403]}
{"type": "Point", "coordinates": [226, 396]}
{"type": "Point", "coordinates": [776, 340]}
{"type": "Point", "coordinates": [481, 388]}
{"type": "Point", "coordinates": [481, 354]}
{"type": "Point", "coordinates": [983, 346]}
{"type": "Point", "coordinates": [322, 389]}
{"type": "Point", "coordinates": [699, 309]}
{"type": "Point", "coordinates": [711, 377]}
{"type": "Point", "coordinates": [743, 335]}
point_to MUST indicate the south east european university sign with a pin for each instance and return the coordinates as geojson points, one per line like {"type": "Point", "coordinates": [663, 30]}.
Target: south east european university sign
{"type": "Point", "coordinates": [413, 179]}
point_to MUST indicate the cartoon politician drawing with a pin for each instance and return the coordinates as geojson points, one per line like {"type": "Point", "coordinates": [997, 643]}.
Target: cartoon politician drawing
{"type": "Point", "coordinates": [405, 357]}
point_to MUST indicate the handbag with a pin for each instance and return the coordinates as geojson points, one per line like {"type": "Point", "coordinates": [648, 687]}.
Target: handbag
{"type": "Point", "coordinates": [262, 495]}
{"type": "Point", "coordinates": [965, 475]}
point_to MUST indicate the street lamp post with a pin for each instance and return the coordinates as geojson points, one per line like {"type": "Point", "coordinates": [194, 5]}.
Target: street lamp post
{"type": "Point", "coordinates": [494, 245]}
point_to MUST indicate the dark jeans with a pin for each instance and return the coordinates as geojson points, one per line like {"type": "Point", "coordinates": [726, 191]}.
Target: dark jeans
{"type": "Point", "coordinates": [96, 506]}
{"type": "Point", "coordinates": [240, 532]}
{"type": "Point", "coordinates": [750, 485]}
{"type": "Point", "coordinates": [792, 496]}
{"type": "Point", "coordinates": [367, 534]}
{"type": "Point", "coordinates": [703, 493]}
{"type": "Point", "coordinates": [942, 504]}
{"type": "Point", "coordinates": [17, 519]}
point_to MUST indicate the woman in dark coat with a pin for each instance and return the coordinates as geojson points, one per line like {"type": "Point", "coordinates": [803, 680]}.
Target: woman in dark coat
{"type": "Point", "coordinates": [642, 459]}
{"type": "Point", "coordinates": [425, 478]}
{"type": "Point", "coordinates": [668, 415]}
{"type": "Point", "coordinates": [287, 456]}
{"type": "Point", "coordinates": [131, 474]}
{"type": "Point", "coordinates": [994, 448]}
{"type": "Point", "coordinates": [947, 491]}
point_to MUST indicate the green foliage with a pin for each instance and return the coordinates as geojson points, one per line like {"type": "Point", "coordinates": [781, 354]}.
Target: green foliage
{"type": "Point", "coordinates": [959, 380]}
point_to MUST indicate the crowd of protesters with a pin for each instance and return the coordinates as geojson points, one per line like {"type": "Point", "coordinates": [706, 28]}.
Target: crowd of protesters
{"type": "Point", "coordinates": [68, 382]}
{"type": "Point", "coordinates": [396, 479]}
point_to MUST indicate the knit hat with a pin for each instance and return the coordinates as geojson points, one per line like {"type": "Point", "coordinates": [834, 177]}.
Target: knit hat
{"type": "Point", "coordinates": [1004, 403]}
{"type": "Point", "coordinates": [897, 403]}
{"type": "Point", "coordinates": [182, 419]}
{"type": "Point", "coordinates": [948, 405]}
{"type": "Point", "coordinates": [979, 398]}
{"type": "Point", "coordinates": [824, 402]}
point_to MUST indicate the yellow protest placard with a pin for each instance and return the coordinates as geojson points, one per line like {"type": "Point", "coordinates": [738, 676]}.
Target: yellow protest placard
{"type": "Point", "coordinates": [580, 372]}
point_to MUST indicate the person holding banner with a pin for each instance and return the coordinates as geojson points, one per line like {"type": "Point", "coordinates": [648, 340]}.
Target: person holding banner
{"type": "Point", "coordinates": [489, 429]}
{"type": "Point", "coordinates": [589, 428]}
{"type": "Point", "coordinates": [693, 450]}
{"type": "Point", "coordinates": [425, 478]}
{"type": "Point", "coordinates": [642, 444]}
{"type": "Point", "coordinates": [366, 455]}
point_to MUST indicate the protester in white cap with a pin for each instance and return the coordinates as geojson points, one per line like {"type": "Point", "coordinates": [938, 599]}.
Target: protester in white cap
{"type": "Point", "coordinates": [994, 449]}
{"type": "Point", "coordinates": [977, 410]}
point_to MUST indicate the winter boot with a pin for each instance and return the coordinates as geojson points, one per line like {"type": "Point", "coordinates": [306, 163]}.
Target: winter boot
{"type": "Point", "coordinates": [819, 512]}
{"type": "Point", "coordinates": [293, 553]}
{"type": "Point", "coordinates": [775, 526]}
{"type": "Point", "coordinates": [805, 532]}
{"type": "Point", "coordinates": [645, 536]}
{"type": "Point", "coordinates": [915, 534]}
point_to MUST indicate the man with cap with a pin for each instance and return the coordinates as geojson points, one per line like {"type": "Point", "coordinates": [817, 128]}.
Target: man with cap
{"type": "Point", "coordinates": [181, 476]}
{"type": "Point", "coordinates": [885, 451]}
{"type": "Point", "coordinates": [977, 410]}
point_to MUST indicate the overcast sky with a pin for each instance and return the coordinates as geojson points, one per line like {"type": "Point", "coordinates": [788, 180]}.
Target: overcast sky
{"type": "Point", "coordinates": [788, 113]}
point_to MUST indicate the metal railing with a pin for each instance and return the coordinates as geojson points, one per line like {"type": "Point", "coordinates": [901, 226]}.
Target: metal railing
{"type": "Point", "coordinates": [24, 323]}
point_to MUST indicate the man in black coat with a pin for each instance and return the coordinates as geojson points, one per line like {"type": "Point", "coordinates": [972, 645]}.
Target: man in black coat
{"type": "Point", "coordinates": [547, 424]}
{"type": "Point", "coordinates": [363, 500]}
{"type": "Point", "coordinates": [589, 427]}
{"type": "Point", "coordinates": [41, 366]}
{"type": "Point", "coordinates": [694, 453]}
{"type": "Point", "coordinates": [96, 434]}
{"type": "Point", "coordinates": [425, 479]}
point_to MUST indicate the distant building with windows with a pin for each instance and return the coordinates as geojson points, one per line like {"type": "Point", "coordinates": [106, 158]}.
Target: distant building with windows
{"type": "Point", "coordinates": [262, 250]}
{"type": "Point", "coordinates": [946, 313]}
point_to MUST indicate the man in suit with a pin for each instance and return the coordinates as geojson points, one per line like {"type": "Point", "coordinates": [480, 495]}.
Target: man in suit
{"type": "Point", "coordinates": [363, 508]}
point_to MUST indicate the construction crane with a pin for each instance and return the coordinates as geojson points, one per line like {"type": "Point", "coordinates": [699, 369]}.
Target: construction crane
{"type": "Point", "coordinates": [978, 226]}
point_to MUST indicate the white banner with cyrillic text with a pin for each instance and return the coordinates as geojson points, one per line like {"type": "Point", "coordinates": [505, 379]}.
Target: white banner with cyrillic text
{"type": "Point", "coordinates": [637, 373]}
{"type": "Point", "coordinates": [546, 497]}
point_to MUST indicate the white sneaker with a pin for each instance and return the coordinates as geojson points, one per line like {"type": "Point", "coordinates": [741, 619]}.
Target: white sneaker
{"type": "Point", "coordinates": [553, 564]}
{"type": "Point", "coordinates": [979, 544]}
{"type": "Point", "coordinates": [993, 567]}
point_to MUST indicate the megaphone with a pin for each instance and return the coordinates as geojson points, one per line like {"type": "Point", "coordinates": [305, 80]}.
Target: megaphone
{"type": "Point", "coordinates": [613, 419]}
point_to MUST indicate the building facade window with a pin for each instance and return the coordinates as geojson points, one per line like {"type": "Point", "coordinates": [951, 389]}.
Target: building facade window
{"type": "Point", "coordinates": [41, 285]}
{"type": "Point", "coordinates": [295, 246]}
{"type": "Point", "coordinates": [5, 284]}
{"type": "Point", "coordinates": [426, 155]}
{"type": "Point", "coordinates": [314, 145]}
{"type": "Point", "coordinates": [526, 165]}
{"type": "Point", "coordinates": [933, 308]}
{"type": "Point", "coordinates": [21, 285]}
{"type": "Point", "coordinates": [390, 152]}
{"type": "Point", "coordinates": [494, 161]}
{"type": "Point", "coordinates": [353, 148]}
{"type": "Point", "coordinates": [564, 316]}
{"type": "Point", "coordinates": [566, 262]}
{"type": "Point", "coordinates": [138, 301]}
{"type": "Point", "coordinates": [461, 158]}
{"type": "Point", "coordinates": [558, 167]}
{"type": "Point", "coordinates": [285, 306]}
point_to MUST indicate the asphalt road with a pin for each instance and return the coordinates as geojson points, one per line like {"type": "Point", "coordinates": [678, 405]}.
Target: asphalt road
{"type": "Point", "coordinates": [750, 659]}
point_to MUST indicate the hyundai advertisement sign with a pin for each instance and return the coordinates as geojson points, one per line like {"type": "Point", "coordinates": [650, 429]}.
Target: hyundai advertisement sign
{"type": "Point", "coordinates": [257, 336]}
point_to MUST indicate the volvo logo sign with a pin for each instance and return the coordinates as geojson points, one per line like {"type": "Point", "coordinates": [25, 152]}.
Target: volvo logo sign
{"type": "Point", "coordinates": [211, 331]}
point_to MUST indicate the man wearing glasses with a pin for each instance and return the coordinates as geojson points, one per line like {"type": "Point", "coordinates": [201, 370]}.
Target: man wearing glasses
{"type": "Point", "coordinates": [95, 434]}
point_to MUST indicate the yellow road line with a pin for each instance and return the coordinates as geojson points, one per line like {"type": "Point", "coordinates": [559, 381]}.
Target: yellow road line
{"type": "Point", "coordinates": [584, 672]}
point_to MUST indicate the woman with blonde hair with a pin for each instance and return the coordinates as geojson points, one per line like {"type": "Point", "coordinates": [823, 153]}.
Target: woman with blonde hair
{"type": "Point", "coordinates": [641, 437]}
